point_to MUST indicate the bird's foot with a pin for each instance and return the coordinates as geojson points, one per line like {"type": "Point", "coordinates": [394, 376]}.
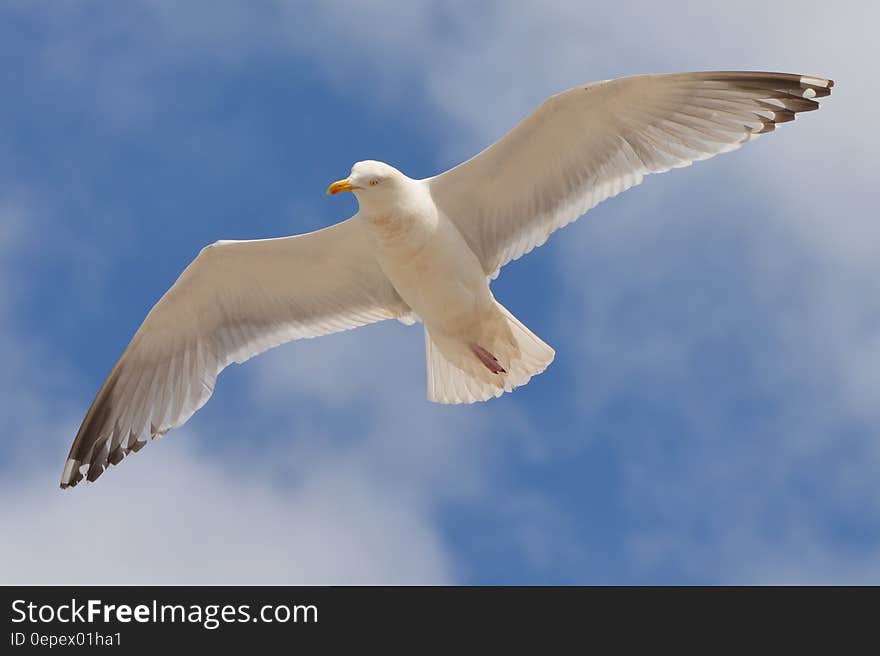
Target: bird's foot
{"type": "Point", "coordinates": [490, 361]}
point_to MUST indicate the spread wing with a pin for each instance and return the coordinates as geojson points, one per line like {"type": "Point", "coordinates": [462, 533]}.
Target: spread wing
{"type": "Point", "coordinates": [592, 142]}
{"type": "Point", "coordinates": [235, 300]}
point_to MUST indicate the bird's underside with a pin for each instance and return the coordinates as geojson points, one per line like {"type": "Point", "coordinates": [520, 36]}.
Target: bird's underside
{"type": "Point", "coordinates": [239, 298]}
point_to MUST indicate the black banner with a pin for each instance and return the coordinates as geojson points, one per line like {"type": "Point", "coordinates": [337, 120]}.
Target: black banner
{"type": "Point", "coordinates": [137, 619]}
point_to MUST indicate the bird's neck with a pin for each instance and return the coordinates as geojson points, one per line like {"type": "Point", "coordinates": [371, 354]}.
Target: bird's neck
{"type": "Point", "coordinates": [401, 229]}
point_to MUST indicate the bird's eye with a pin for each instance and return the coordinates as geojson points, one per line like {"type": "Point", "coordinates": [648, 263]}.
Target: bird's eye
{"type": "Point", "coordinates": [373, 183]}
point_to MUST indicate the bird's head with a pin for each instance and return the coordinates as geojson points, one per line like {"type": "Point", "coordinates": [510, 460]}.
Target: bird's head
{"type": "Point", "coordinates": [375, 184]}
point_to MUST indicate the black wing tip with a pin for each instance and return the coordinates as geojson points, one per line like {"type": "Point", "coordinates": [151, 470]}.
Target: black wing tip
{"type": "Point", "coordinates": [794, 94]}
{"type": "Point", "coordinates": [819, 86]}
{"type": "Point", "coordinates": [72, 473]}
{"type": "Point", "coordinates": [74, 476]}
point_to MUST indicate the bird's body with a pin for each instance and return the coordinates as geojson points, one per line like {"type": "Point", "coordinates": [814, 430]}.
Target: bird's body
{"type": "Point", "coordinates": [427, 260]}
{"type": "Point", "coordinates": [426, 250]}
{"type": "Point", "coordinates": [431, 267]}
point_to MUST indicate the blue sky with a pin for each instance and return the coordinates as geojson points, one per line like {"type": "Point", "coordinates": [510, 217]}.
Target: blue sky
{"type": "Point", "coordinates": [711, 416]}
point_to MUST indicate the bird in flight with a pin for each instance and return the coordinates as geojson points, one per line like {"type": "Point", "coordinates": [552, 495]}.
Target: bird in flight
{"type": "Point", "coordinates": [426, 250]}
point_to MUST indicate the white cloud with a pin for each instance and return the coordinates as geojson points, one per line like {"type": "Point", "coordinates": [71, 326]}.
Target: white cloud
{"type": "Point", "coordinates": [174, 518]}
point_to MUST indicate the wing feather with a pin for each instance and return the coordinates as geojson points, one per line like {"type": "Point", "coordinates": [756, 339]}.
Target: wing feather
{"type": "Point", "coordinates": [593, 142]}
{"type": "Point", "coordinates": [236, 299]}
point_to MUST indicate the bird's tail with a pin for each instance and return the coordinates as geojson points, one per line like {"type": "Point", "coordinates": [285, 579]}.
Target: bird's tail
{"type": "Point", "coordinates": [505, 357]}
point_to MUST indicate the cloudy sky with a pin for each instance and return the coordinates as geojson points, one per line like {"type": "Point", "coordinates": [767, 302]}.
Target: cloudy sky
{"type": "Point", "coordinates": [712, 413]}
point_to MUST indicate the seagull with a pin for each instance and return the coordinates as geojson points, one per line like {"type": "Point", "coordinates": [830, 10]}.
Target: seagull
{"type": "Point", "coordinates": [426, 251]}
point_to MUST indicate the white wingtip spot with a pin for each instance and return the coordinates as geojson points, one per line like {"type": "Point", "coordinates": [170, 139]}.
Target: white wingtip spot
{"type": "Point", "coordinates": [69, 470]}
{"type": "Point", "coordinates": [815, 81]}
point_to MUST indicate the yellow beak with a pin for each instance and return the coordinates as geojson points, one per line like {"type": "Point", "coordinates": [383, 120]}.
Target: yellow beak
{"type": "Point", "coordinates": [340, 186]}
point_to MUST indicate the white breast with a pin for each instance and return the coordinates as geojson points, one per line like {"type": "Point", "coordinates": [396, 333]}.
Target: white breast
{"type": "Point", "coordinates": [430, 265]}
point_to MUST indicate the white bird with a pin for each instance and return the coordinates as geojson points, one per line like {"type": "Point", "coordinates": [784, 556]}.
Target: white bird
{"type": "Point", "coordinates": [425, 250]}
